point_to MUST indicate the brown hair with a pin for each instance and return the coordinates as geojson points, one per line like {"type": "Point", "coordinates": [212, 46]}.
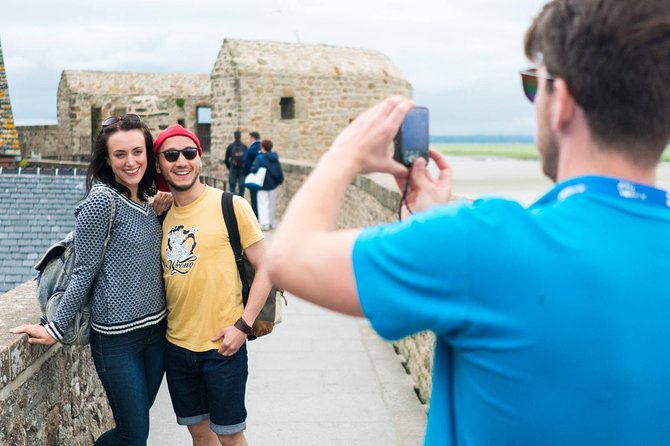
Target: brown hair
{"type": "Point", "coordinates": [100, 170]}
{"type": "Point", "coordinates": [615, 59]}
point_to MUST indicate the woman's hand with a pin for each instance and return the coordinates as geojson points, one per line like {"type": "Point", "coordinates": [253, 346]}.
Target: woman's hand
{"type": "Point", "coordinates": [37, 334]}
{"type": "Point", "coordinates": [161, 202]}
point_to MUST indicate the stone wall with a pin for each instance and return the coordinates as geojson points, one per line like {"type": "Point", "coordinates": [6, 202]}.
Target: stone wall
{"type": "Point", "coordinates": [85, 98]}
{"type": "Point", "coordinates": [38, 140]}
{"type": "Point", "coordinates": [368, 203]}
{"type": "Point", "coordinates": [329, 86]}
{"type": "Point", "coordinates": [48, 395]}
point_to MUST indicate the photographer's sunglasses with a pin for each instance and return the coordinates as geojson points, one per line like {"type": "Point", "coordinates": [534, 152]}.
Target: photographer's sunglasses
{"type": "Point", "coordinates": [130, 117]}
{"type": "Point", "coordinates": [529, 82]}
{"type": "Point", "coordinates": [172, 155]}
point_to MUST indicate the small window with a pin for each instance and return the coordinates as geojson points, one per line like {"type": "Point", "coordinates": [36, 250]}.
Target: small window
{"type": "Point", "coordinates": [204, 115]}
{"type": "Point", "coordinates": [181, 122]}
{"type": "Point", "coordinates": [287, 108]}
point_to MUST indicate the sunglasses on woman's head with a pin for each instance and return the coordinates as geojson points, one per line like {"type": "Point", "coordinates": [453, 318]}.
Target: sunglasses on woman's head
{"type": "Point", "coordinates": [529, 82]}
{"type": "Point", "coordinates": [172, 155]}
{"type": "Point", "coordinates": [130, 117]}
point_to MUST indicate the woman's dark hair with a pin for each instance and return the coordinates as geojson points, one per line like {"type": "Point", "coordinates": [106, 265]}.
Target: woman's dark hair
{"type": "Point", "coordinates": [100, 171]}
{"type": "Point", "coordinates": [267, 145]}
{"type": "Point", "coordinates": [615, 59]}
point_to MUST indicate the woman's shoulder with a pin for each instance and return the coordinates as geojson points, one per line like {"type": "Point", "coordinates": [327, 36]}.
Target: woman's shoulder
{"type": "Point", "coordinates": [101, 195]}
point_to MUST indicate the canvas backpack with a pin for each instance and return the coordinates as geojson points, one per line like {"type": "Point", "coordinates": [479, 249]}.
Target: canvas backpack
{"type": "Point", "coordinates": [271, 313]}
{"type": "Point", "coordinates": [54, 273]}
{"type": "Point", "coordinates": [237, 155]}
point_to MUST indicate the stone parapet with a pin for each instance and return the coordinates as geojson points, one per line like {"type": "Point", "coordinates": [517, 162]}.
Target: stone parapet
{"type": "Point", "coordinates": [38, 140]}
{"type": "Point", "coordinates": [48, 395]}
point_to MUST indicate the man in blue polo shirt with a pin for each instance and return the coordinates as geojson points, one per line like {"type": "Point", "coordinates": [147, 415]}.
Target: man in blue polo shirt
{"type": "Point", "coordinates": [551, 321]}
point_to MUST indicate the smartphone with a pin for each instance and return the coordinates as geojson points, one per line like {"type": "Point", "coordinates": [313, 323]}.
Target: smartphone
{"type": "Point", "coordinates": [411, 141]}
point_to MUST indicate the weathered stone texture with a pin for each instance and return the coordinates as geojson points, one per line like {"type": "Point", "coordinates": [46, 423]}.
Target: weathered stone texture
{"type": "Point", "coordinates": [329, 85]}
{"type": "Point", "coordinates": [48, 395]}
{"type": "Point", "coordinates": [9, 141]}
{"type": "Point", "coordinates": [85, 98]}
{"type": "Point", "coordinates": [38, 140]}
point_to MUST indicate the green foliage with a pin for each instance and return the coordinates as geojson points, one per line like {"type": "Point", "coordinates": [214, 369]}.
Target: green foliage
{"type": "Point", "coordinates": [180, 102]}
{"type": "Point", "coordinates": [510, 150]}
{"type": "Point", "coordinates": [23, 163]}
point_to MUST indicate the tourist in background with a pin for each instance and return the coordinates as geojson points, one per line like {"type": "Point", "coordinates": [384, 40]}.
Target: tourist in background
{"type": "Point", "coordinates": [128, 311]}
{"type": "Point", "coordinates": [551, 322]}
{"type": "Point", "coordinates": [274, 176]}
{"type": "Point", "coordinates": [234, 161]}
{"type": "Point", "coordinates": [249, 157]}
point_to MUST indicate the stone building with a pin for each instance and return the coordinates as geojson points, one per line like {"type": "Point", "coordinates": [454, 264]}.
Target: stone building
{"type": "Point", "coordinates": [9, 141]}
{"type": "Point", "coordinates": [300, 96]}
{"type": "Point", "coordinates": [86, 98]}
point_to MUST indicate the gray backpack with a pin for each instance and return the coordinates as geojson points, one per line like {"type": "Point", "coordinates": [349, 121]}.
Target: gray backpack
{"type": "Point", "coordinates": [54, 273]}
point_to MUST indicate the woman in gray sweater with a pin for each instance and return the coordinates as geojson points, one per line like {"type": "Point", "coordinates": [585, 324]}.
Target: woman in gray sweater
{"type": "Point", "coordinates": [128, 313]}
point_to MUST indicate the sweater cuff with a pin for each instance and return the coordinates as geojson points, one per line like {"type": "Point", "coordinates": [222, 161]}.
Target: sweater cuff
{"type": "Point", "coordinates": [53, 331]}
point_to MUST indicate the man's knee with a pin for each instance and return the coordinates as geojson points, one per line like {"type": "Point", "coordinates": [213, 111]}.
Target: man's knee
{"type": "Point", "coordinates": [233, 440]}
{"type": "Point", "coordinates": [202, 434]}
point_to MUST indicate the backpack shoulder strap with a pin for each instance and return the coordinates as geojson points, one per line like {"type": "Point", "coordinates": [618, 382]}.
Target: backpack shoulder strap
{"type": "Point", "coordinates": [234, 237]}
{"type": "Point", "coordinates": [112, 215]}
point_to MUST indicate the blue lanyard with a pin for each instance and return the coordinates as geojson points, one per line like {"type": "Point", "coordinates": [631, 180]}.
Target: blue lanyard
{"type": "Point", "coordinates": [611, 187]}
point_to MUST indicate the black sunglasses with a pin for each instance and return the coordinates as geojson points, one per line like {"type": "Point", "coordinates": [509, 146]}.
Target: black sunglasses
{"type": "Point", "coordinates": [130, 117]}
{"type": "Point", "coordinates": [529, 82]}
{"type": "Point", "coordinates": [172, 155]}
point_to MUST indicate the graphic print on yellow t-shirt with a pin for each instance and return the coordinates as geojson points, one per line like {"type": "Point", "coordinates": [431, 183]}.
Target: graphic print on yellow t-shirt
{"type": "Point", "coordinates": [202, 284]}
{"type": "Point", "coordinates": [181, 243]}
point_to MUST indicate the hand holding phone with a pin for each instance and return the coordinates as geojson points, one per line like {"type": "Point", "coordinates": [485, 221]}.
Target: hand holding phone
{"type": "Point", "coordinates": [411, 141]}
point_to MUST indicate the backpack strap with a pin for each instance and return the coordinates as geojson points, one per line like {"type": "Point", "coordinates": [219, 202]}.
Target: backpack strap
{"type": "Point", "coordinates": [112, 215]}
{"type": "Point", "coordinates": [234, 237]}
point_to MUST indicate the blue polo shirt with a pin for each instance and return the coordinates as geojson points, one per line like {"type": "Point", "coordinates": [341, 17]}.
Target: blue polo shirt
{"type": "Point", "coordinates": [552, 322]}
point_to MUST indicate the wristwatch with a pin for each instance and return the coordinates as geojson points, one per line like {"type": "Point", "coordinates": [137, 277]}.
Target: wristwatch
{"type": "Point", "coordinates": [241, 325]}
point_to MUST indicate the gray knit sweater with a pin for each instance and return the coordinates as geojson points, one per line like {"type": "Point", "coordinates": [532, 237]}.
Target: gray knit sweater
{"type": "Point", "coordinates": [128, 290]}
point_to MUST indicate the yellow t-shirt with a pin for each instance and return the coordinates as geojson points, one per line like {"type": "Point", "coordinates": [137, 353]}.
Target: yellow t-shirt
{"type": "Point", "coordinates": [204, 291]}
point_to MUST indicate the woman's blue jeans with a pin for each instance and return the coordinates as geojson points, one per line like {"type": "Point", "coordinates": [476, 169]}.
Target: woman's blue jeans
{"type": "Point", "coordinates": [130, 366]}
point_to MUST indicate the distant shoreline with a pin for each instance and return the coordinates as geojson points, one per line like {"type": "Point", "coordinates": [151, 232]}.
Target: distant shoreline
{"type": "Point", "coordinates": [495, 148]}
{"type": "Point", "coordinates": [482, 139]}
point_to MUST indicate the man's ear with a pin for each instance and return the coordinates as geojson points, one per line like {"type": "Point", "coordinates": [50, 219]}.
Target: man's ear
{"type": "Point", "coordinates": [158, 166]}
{"type": "Point", "coordinates": [564, 105]}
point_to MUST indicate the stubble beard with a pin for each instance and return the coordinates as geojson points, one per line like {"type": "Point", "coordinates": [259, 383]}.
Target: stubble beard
{"type": "Point", "coordinates": [181, 187]}
{"type": "Point", "coordinates": [549, 150]}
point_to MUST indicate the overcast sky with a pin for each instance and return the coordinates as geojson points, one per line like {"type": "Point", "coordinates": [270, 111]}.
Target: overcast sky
{"type": "Point", "coordinates": [462, 57]}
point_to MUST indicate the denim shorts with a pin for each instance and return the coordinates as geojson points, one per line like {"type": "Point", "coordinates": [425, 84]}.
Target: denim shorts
{"type": "Point", "coordinates": [207, 385]}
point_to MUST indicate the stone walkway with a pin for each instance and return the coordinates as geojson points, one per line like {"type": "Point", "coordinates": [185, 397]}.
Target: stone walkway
{"type": "Point", "coordinates": [320, 379]}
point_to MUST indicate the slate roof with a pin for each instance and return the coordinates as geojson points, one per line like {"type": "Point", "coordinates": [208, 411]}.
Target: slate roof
{"type": "Point", "coordinates": [35, 212]}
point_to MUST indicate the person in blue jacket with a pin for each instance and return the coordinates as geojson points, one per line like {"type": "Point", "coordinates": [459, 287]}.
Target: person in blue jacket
{"type": "Point", "coordinates": [249, 158]}
{"type": "Point", "coordinates": [267, 196]}
{"type": "Point", "coordinates": [551, 321]}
